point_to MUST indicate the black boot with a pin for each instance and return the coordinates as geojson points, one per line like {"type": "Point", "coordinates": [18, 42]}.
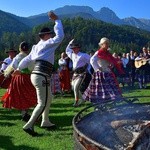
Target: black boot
{"type": "Point", "coordinates": [31, 132]}
{"type": "Point", "coordinates": [26, 117]}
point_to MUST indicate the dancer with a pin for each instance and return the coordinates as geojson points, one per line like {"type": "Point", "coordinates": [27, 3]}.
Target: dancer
{"type": "Point", "coordinates": [43, 55]}
{"type": "Point", "coordinates": [64, 74]}
{"type": "Point", "coordinates": [4, 82]}
{"type": "Point", "coordinates": [103, 85]}
{"type": "Point", "coordinates": [80, 62]}
{"type": "Point", "coordinates": [20, 94]}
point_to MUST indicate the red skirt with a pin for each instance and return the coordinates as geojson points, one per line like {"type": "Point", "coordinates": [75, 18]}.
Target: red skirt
{"type": "Point", "coordinates": [65, 80]}
{"type": "Point", "coordinates": [21, 94]}
{"type": "Point", "coordinates": [4, 82]}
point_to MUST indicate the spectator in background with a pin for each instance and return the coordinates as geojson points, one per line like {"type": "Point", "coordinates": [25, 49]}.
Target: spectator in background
{"type": "Point", "coordinates": [143, 70]}
{"type": "Point", "coordinates": [148, 76]}
{"type": "Point", "coordinates": [120, 77]}
{"type": "Point", "coordinates": [125, 62]}
{"type": "Point", "coordinates": [131, 66]}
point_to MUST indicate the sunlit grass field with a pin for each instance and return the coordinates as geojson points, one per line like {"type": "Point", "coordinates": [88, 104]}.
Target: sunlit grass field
{"type": "Point", "coordinates": [12, 137]}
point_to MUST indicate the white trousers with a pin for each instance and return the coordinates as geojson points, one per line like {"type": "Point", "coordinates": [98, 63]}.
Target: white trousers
{"type": "Point", "coordinates": [42, 85]}
{"type": "Point", "coordinates": [76, 84]}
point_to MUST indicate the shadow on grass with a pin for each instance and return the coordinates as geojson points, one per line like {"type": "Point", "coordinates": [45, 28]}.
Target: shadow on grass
{"type": "Point", "coordinates": [62, 121]}
{"type": "Point", "coordinates": [4, 124]}
{"type": "Point", "coordinates": [7, 110]}
{"type": "Point", "coordinates": [62, 107]}
{"type": "Point", "coordinates": [10, 118]}
{"type": "Point", "coordinates": [65, 96]}
{"type": "Point", "coordinates": [7, 144]}
{"type": "Point", "coordinates": [9, 115]}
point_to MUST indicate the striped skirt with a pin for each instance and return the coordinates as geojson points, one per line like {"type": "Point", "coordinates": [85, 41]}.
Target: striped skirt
{"type": "Point", "coordinates": [103, 87]}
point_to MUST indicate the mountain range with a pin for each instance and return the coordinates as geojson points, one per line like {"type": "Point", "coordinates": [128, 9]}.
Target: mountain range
{"type": "Point", "coordinates": [104, 14]}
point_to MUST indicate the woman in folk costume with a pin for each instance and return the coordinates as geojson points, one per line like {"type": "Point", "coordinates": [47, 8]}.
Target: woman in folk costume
{"type": "Point", "coordinates": [103, 85]}
{"type": "Point", "coordinates": [80, 62]}
{"type": "Point", "coordinates": [64, 73]}
{"type": "Point", "coordinates": [20, 94]}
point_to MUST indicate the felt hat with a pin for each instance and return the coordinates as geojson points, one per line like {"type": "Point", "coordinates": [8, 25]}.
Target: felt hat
{"type": "Point", "coordinates": [45, 31]}
{"type": "Point", "coordinates": [11, 50]}
{"type": "Point", "coordinates": [75, 45]}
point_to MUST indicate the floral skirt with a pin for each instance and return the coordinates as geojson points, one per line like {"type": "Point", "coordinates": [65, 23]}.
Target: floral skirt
{"type": "Point", "coordinates": [102, 87]}
{"type": "Point", "coordinates": [20, 94]}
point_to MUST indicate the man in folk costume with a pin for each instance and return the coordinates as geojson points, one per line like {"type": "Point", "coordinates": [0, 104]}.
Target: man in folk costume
{"type": "Point", "coordinates": [43, 55]}
{"type": "Point", "coordinates": [11, 54]}
{"type": "Point", "coordinates": [103, 85]}
{"type": "Point", "coordinates": [80, 62]}
{"type": "Point", "coordinates": [4, 82]}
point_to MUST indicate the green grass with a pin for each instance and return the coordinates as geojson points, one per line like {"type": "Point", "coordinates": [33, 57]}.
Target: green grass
{"type": "Point", "coordinates": [142, 94]}
{"type": "Point", "coordinates": [12, 137]}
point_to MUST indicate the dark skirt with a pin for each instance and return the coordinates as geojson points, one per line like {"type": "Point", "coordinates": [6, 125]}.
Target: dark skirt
{"type": "Point", "coordinates": [21, 94]}
{"type": "Point", "coordinates": [102, 87]}
{"type": "Point", "coordinates": [4, 82]}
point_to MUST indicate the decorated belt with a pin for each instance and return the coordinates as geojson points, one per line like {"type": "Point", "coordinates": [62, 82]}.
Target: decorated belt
{"type": "Point", "coordinates": [43, 66]}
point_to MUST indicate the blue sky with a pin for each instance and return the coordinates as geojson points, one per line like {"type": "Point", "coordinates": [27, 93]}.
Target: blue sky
{"type": "Point", "coordinates": [122, 8]}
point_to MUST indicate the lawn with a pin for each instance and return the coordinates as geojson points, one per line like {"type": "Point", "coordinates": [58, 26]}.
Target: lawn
{"type": "Point", "coordinates": [12, 137]}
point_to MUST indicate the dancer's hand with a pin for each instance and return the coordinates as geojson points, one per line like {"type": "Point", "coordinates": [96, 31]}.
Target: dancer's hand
{"type": "Point", "coordinates": [71, 41]}
{"type": "Point", "coordinates": [52, 16]}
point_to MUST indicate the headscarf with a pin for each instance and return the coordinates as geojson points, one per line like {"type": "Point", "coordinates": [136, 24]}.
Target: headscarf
{"type": "Point", "coordinates": [106, 55]}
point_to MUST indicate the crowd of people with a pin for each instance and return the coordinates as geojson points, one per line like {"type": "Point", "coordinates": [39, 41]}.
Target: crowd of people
{"type": "Point", "coordinates": [136, 68]}
{"type": "Point", "coordinates": [30, 78]}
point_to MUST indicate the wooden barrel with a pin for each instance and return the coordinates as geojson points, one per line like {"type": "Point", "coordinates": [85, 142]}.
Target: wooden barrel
{"type": "Point", "coordinates": [110, 126]}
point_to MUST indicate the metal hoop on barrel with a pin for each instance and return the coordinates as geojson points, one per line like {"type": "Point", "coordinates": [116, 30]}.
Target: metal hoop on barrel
{"type": "Point", "coordinates": [85, 142]}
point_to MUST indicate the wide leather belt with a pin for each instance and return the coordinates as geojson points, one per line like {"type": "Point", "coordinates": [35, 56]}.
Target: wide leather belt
{"type": "Point", "coordinates": [43, 66]}
{"type": "Point", "coordinates": [81, 69]}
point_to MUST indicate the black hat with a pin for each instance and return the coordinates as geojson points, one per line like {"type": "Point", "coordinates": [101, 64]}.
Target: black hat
{"type": "Point", "coordinates": [10, 50]}
{"type": "Point", "coordinates": [24, 46]}
{"type": "Point", "coordinates": [45, 31]}
{"type": "Point", "coordinates": [75, 45]}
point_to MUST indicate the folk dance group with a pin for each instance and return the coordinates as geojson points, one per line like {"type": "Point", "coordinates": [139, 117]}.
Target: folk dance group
{"type": "Point", "coordinates": [31, 73]}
